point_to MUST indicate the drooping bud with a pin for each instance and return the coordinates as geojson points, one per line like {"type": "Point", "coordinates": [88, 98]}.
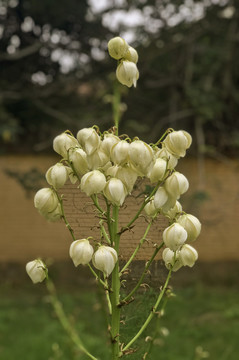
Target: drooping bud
{"type": "Point", "coordinates": [131, 55]}
{"type": "Point", "coordinates": [89, 140]}
{"type": "Point", "coordinates": [45, 200]}
{"type": "Point", "coordinates": [120, 153]}
{"type": "Point", "coordinates": [98, 159]}
{"type": "Point", "coordinates": [127, 73]}
{"type": "Point", "coordinates": [36, 270]}
{"type": "Point", "coordinates": [174, 236]}
{"type": "Point", "coordinates": [176, 184]}
{"type": "Point", "coordinates": [174, 211]}
{"type": "Point", "coordinates": [177, 142]}
{"type": "Point", "coordinates": [167, 156]}
{"type": "Point", "coordinates": [104, 259]}
{"type": "Point", "coordinates": [150, 208]}
{"type": "Point", "coordinates": [93, 182]}
{"type": "Point", "coordinates": [191, 224]}
{"type": "Point", "coordinates": [188, 255]}
{"type": "Point", "coordinates": [171, 259]}
{"type": "Point", "coordinates": [54, 215]}
{"type": "Point", "coordinates": [158, 170]}
{"type": "Point", "coordinates": [57, 175]}
{"type": "Point", "coordinates": [127, 175]}
{"type": "Point", "coordinates": [108, 142]}
{"type": "Point", "coordinates": [140, 156]}
{"type": "Point", "coordinates": [117, 48]}
{"type": "Point", "coordinates": [81, 252]}
{"type": "Point", "coordinates": [63, 142]}
{"type": "Point", "coordinates": [160, 197]}
{"type": "Point", "coordinates": [115, 191]}
{"type": "Point", "coordinates": [78, 159]}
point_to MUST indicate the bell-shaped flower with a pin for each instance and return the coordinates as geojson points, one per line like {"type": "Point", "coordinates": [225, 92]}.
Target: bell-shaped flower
{"type": "Point", "coordinates": [127, 73]}
{"type": "Point", "coordinates": [117, 48]}
{"type": "Point", "coordinates": [36, 270]}
{"type": "Point", "coordinates": [115, 191]}
{"type": "Point", "coordinates": [81, 252]}
{"type": "Point", "coordinates": [104, 259]}
{"type": "Point", "coordinates": [63, 142]}
{"type": "Point", "coordinates": [187, 255]}
{"type": "Point", "coordinates": [171, 259]}
{"type": "Point", "coordinates": [93, 182]}
{"type": "Point", "coordinates": [120, 153]}
{"type": "Point", "coordinates": [176, 184]}
{"type": "Point", "coordinates": [57, 175]}
{"type": "Point", "coordinates": [45, 200]}
{"type": "Point", "coordinates": [169, 204]}
{"type": "Point", "coordinates": [78, 158]}
{"type": "Point", "coordinates": [174, 236]}
{"type": "Point", "coordinates": [54, 215]}
{"type": "Point", "coordinates": [98, 159]}
{"type": "Point", "coordinates": [141, 156]}
{"type": "Point", "coordinates": [108, 142]}
{"type": "Point", "coordinates": [191, 224]}
{"type": "Point", "coordinates": [174, 211]}
{"type": "Point", "coordinates": [131, 55]}
{"type": "Point", "coordinates": [160, 197]}
{"type": "Point", "coordinates": [127, 175]}
{"type": "Point", "coordinates": [177, 142]}
{"type": "Point", "coordinates": [89, 140]}
{"type": "Point", "coordinates": [158, 170]}
{"type": "Point", "coordinates": [150, 208]}
{"type": "Point", "coordinates": [167, 156]}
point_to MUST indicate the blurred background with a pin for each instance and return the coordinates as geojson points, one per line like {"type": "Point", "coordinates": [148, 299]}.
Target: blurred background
{"type": "Point", "coordinates": [56, 74]}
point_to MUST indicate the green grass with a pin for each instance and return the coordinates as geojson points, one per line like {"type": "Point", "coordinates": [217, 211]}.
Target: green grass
{"type": "Point", "coordinates": [197, 316]}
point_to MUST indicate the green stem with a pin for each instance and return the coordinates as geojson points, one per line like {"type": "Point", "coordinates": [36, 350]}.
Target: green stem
{"type": "Point", "coordinates": [64, 320]}
{"type": "Point", "coordinates": [115, 295]}
{"type": "Point", "coordinates": [151, 315]}
{"type": "Point", "coordinates": [143, 274]}
{"type": "Point", "coordinates": [163, 136]}
{"type": "Point", "coordinates": [64, 217]}
{"type": "Point", "coordinates": [142, 240]}
{"type": "Point", "coordinates": [103, 232]}
{"type": "Point", "coordinates": [96, 203]}
{"type": "Point", "coordinates": [105, 285]}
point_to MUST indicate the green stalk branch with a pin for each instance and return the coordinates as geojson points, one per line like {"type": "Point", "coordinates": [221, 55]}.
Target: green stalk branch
{"type": "Point", "coordinates": [116, 107]}
{"type": "Point", "coordinates": [64, 320]}
{"type": "Point", "coordinates": [127, 298]}
{"type": "Point", "coordinates": [151, 315]}
{"type": "Point", "coordinates": [64, 217]}
{"type": "Point", "coordinates": [105, 285]}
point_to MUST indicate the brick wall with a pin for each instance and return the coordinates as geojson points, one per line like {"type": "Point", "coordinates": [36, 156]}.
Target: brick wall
{"type": "Point", "coordinates": [24, 234]}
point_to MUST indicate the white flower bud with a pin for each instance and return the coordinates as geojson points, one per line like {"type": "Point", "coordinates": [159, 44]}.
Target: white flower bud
{"type": "Point", "coordinates": [89, 140]}
{"type": "Point", "coordinates": [160, 197]}
{"type": "Point", "coordinates": [72, 176]}
{"type": "Point", "coordinates": [62, 143]}
{"type": "Point", "coordinates": [115, 191]}
{"type": "Point", "coordinates": [170, 203]}
{"type": "Point", "coordinates": [150, 208]}
{"type": "Point", "coordinates": [108, 142]}
{"type": "Point", "coordinates": [98, 159]}
{"type": "Point", "coordinates": [36, 270]}
{"type": "Point", "coordinates": [127, 73]}
{"type": "Point", "coordinates": [188, 255]}
{"type": "Point", "coordinates": [93, 182]}
{"type": "Point", "coordinates": [174, 211]}
{"type": "Point", "coordinates": [117, 48]}
{"type": "Point", "coordinates": [104, 259]}
{"type": "Point", "coordinates": [174, 236]}
{"type": "Point", "coordinates": [120, 153]}
{"type": "Point", "coordinates": [141, 156]}
{"type": "Point", "coordinates": [171, 259]}
{"type": "Point", "coordinates": [191, 224]}
{"type": "Point", "coordinates": [54, 215]}
{"type": "Point", "coordinates": [81, 252]}
{"type": "Point", "coordinates": [45, 200]}
{"type": "Point", "coordinates": [78, 159]}
{"type": "Point", "coordinates": [177, 142]}
{"type": "Point", "coordinates": [57, 175]}
{"type": "Point", "coordinates": [127, 175]}
{"type": "Point", "coordinates": [158, 170]}
{"type": "Point", "coordinates": [176, 184]}
{"type": "Point", "coordinates": [167, 156]}
{"type": "Point", "coordinates": [131, 55]}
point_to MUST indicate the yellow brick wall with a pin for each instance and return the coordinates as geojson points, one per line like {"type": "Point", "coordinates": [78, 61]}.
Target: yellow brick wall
{"type": "Point", "coordinates": [25, 235]}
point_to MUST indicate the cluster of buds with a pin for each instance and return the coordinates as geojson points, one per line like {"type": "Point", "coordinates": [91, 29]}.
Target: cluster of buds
{"type": "Point", "coordinates": [127, 72]}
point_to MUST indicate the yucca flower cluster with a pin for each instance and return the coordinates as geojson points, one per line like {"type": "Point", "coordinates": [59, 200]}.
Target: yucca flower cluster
{"type": "Point", "coordinates": [108, 165]}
